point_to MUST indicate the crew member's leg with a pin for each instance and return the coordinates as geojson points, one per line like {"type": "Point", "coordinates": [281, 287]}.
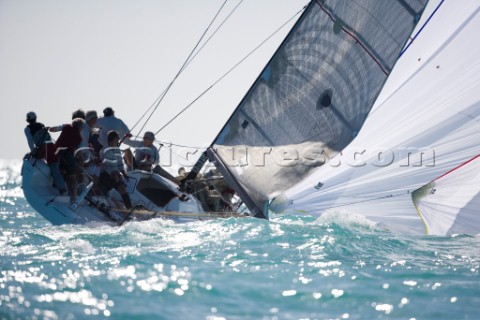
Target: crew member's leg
{"type": "Point", "coordinates": [120, 186]}
{"type": "Point", "coordinates": [128, 158]}
{"type": "Point", "coordinates": [69, 160]}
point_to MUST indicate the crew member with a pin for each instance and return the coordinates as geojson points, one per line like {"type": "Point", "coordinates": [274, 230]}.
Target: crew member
{"type": "Point", "coordinates": [108, 123]}
{"type": "Point", "coordinates": [66, 144]}
{"type": "Point", "coordinates": [112, 168]}
{"type": "Point", "coordinates": [41, 146]}
{"type": "Point", "coordinates": [146, 154]}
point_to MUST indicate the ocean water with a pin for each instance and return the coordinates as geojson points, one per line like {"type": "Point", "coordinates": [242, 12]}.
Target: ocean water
{"type": "Point", "coordinates": [337, 267]}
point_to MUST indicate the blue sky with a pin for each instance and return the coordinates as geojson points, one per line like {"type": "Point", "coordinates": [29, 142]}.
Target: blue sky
{"type": "Point", "coordinates": [57, 56]}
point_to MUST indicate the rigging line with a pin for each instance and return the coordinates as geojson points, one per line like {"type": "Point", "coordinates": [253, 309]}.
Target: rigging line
{"type": "Point", "coordinates": [193, 57]}
{"type": "Point", "coordinates": [421, 29]}
{"type": "Point", "coordinates": [229, 71]}
{"type": "Point", "coordinates": [194, 193]}
{"type": "Point", "coordinates": [214, 32]}
{"type": "Point", "coordinates": [368, 200]}
{"type": "Point", "coordinates": [183, 66]}
{"type": "Point", "coordinates": [145, 113]}
{"type": "Point", "coordinates": [192, 162]}
{"type": "Point", "coordinates": [167, 144]}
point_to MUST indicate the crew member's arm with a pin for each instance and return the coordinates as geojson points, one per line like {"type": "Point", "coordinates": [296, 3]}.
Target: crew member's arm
{"type": "Point", "coordinates": [156, 155]}
{"type": "Point", "coordinates": [133, 143]}
{"type": "Point", "coordinates": [124, 131]}
{"type": "Point", "coordinates": [56, 128]}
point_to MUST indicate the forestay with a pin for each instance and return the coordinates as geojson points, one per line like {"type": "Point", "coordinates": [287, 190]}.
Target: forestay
{"type": "Point", "coordinates": [314, 95]}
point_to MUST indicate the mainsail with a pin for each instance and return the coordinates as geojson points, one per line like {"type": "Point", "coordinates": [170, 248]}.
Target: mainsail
{"type": "Point", "coordinates": [313, 96]}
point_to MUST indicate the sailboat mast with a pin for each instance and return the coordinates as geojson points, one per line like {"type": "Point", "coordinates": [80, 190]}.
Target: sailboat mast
{"type": "Point", "coordinates": [212, 155]}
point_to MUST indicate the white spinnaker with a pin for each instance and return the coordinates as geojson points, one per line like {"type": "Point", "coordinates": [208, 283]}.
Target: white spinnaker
{"type": "Point", "coordinates": [432, 36]}
{"type": "Point", "coordinates": [430, 104]}
{"type": "Point", "coordinates": [451, 203]}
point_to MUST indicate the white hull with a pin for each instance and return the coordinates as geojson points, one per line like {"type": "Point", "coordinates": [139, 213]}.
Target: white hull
{"type": "Point", "coordinates": [152, 193]}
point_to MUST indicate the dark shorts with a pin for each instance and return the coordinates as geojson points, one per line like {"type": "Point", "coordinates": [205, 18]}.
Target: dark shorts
{"type": "Point", "coordinates": [50, 155]}
{"type": "Point", "coordinates": [107, 182]}
{"type": "Point", "coordinates": [67, 161]}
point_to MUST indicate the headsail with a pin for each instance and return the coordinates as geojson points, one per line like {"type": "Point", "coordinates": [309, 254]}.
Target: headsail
{"type": "Point", "coordinates": [314, 95]}
{"type": "Point", "coordinates": [427, 122]}
{"type": "Point", "coordinates": [451, 203]}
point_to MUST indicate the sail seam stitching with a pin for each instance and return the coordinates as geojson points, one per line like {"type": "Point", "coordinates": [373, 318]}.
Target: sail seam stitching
{"type": "Point", "coordinates": [357, 39]}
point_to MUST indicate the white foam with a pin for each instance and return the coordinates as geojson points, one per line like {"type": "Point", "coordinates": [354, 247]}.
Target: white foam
{"type": "Point", "coordinates": [346, 218]}
{"type": "Point", "coordinates": [81, 246]}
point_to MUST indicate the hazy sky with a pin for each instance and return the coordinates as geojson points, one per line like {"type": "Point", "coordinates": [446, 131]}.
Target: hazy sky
{"type": "Point", "coordinates": [59, 55]}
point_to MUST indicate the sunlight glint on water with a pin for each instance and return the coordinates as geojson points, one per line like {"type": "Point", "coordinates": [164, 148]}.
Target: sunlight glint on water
{"type": "Point", "coordinates": [339, 267]}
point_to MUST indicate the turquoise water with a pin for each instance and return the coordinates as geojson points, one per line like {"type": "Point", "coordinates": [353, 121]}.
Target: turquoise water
{"type": "Point", "coordinates": [288, 268]}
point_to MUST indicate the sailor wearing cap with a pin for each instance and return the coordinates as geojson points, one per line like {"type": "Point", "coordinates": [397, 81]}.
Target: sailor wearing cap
{"type": "Point", "coordinates": [32, 128]}
{"type": "Point", "coordinates": [146, 154]}
{"type": "Point", "coordinates": [38, 138]}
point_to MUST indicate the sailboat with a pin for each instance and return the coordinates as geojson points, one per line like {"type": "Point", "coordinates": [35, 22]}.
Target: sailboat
{"type": "Point", "coordinates": [344, 119]}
